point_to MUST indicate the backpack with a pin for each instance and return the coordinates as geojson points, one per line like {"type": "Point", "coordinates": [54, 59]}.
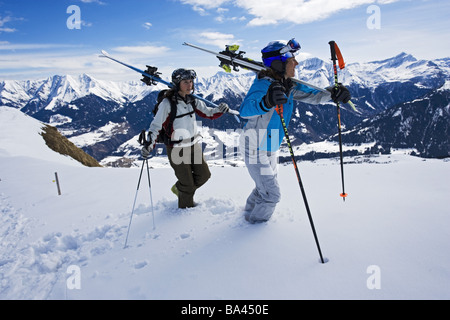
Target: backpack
{"type": "Point", "coordinates": [165, 133]}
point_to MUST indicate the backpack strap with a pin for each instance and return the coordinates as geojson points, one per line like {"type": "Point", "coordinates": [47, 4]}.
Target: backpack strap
{"type": "Point", "coordinates": [194, 107]}
{"type": "Point", "coordinates": [168, 128]}
{"type": "Point", "coordinates": [172, 116]}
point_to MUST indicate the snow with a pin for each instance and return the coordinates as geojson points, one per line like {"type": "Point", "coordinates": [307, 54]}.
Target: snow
{"type": "Point", "coordinates": [101, 134]}
{"type": "Point", "coordinates": [20, 135]}
{"type": "Point", "coordinates": [388, 240]}
{"type": "Point", "coordinates": [223, 82]}
{"type": "Point", "coordinates": [57, 120]}
{"type": "Point", "coordinates": [370, 106]}
{"type": "Point", "coordinates": [446, 86]}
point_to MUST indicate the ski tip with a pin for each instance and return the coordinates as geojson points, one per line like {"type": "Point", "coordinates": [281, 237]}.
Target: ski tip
{"type": "Point", "coordinates": [104, 53]}
{"type": "Point", "coordinates": [233, 112]}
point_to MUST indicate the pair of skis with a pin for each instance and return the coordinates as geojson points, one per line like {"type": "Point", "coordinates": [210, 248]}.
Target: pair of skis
{"type": "Point", "coordinates": [153, 77]}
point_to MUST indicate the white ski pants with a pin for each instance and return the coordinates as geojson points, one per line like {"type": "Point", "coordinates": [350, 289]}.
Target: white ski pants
{"type": "Point", "coordinates": [263, 168]}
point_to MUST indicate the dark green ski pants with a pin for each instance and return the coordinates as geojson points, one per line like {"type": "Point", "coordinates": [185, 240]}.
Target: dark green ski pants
{"type": "Point", "coordinates": [191, 170]}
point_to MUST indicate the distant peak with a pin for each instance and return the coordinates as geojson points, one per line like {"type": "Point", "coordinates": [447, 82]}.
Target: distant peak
{"type": "Point", "coordinates": [405, 56]}
{"type": "Point", "coordinates": [312, 62]}
{"type": "Point", "coordinates": [396, 61]}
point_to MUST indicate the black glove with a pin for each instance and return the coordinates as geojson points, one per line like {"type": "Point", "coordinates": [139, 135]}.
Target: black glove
{"type": "Point", "coordinates": [276, 95]}
{"type": "Point", "coordinates": [339, 93]}
{"type": "Point", "coordinates": [147, 145]}
{"type": "Point", "coordinates": [146, 150]}
{"type": "Point", "coordinates": [288, 84]}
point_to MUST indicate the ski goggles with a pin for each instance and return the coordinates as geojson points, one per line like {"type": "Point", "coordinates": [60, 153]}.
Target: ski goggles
{"type": "Point", "coordinates": [185, 74]}
{"type": "Point", "coordinates": [292, 46]}
{"type": "Point", "coordinates": [287, 51]}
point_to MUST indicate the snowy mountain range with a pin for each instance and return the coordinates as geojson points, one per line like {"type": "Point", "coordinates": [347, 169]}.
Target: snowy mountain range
{"type": "Point", "coordinates": [104, 117]}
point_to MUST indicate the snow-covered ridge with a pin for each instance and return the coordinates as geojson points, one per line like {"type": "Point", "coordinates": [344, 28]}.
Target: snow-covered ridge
{"type": "Point", "coordinates": [65, 89]}
{"type": "Point", "coordinates": [15, 126]}
{"type": "Point", "coordinates": [400, 68]}
{"type": "Point", "coordinates": [224, 82]}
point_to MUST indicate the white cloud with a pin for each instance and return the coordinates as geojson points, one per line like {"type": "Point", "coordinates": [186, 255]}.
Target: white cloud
{"type": "Point", "coordinates": [93, 1]}
{"type": "Point", "coordinates": [5, 45]}
{"type": "Point", "coordinates": [147, 25]}
{"type": "Point", "coordinates": [86, 24]}
{"type": "Point", "coordinates": [267, 12]}
{"type": "Point", "coordinates": [207, 4]}
{"type": "Point", "coordinates": [295, 11]}
{"type": "Point", "coordinates": [28, 61]}
{"type": "Point", "coordinates": [201, 6]}
{"type": "Point", "coordinates": [220, 19]}
{"type": "Point", "coordinates": [217, 39]}
{"type": "Point", "coordinates": [40, 65]}
{"type": "Point", "coordinates": [9, 30]}
{"type": "Point", "coordinates": [4, 21]}
{"type": "Point", "coordinates": [147, 50]}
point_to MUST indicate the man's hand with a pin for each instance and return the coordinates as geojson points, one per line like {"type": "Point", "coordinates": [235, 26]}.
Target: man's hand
{"type": "Point", "coordinates": [276, 95]}
{"type": "Point", "coordinates": [339, 93]}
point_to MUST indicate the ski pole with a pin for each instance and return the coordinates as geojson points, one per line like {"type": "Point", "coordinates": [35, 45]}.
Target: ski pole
{"type": "Point", "coordinates": [134, 203]}
{"type": "Point", "coordinates": [279, 110]}
{"type": "Point", "coordinates": [150, 188]}
{"type": "Point", "coordinates": [336, 55]}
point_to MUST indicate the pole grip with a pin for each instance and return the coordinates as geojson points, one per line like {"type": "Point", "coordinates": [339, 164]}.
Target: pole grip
{"type": "Point", "coordinates": [336, 54]}
{"type": "Point", "coordinates": [333, 50]}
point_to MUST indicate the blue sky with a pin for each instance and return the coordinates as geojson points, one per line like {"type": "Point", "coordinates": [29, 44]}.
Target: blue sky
{"type": "Point", "coordinates": [36, 40]}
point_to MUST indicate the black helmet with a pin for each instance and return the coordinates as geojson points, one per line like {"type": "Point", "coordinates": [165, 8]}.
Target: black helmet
{"type": "Point", "coordinates": [182, 74]}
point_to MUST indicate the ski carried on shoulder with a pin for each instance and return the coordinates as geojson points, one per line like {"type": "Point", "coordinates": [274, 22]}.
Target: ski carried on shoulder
{"type": "Point", "coordinates": [230, 58]}
{"type": "Point", "coordinates": [151, 77]}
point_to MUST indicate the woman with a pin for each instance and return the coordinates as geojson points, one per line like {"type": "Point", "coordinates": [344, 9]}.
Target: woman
{"type": "Point", "coordinates": [175, 120]}
{"type": "Point", "coordinates": [263, 131]}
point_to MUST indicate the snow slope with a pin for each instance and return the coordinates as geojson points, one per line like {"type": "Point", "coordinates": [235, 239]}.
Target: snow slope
{"type": "Point", "coordinates": [389, 240]}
